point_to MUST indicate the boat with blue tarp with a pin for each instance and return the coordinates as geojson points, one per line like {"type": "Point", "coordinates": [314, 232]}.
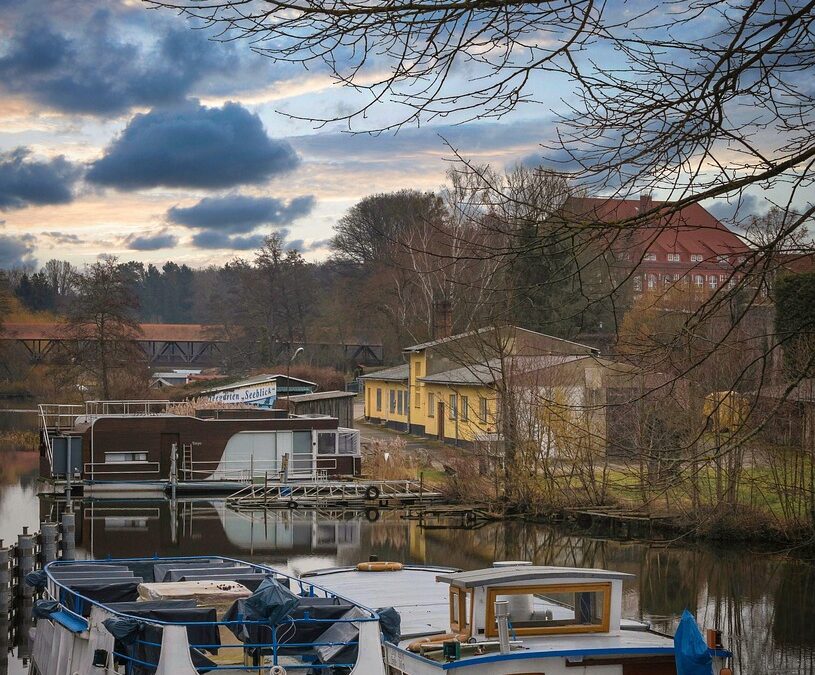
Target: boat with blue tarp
{"type": "Point", "coordinates": [190, 615]}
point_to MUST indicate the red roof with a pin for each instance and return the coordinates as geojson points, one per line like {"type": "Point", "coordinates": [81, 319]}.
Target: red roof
{"type": "Point", "coordinates": [691, 230]}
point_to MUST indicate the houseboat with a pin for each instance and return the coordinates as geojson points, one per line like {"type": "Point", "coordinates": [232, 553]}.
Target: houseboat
{"type": "Point", "coordinates": [144, 446]}
{"type": "Point", "coordinates": [515, 618]}
{"type": "Point", "coordinates": [184, 616]}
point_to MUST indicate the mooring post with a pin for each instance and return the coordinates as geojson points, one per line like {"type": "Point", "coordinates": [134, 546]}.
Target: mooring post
{"type": "Point", "coordinates": [25, 562]}
{"type": "Point", "coordinates": [68, 535]}
{"type": "Point", "coordinates": [49, 534]}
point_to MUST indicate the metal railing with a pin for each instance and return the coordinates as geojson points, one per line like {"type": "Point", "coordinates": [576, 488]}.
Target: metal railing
{"type": "Point", "coordinates": [94, 409]}
{"type": "Point", "coordinates": [272, 648]}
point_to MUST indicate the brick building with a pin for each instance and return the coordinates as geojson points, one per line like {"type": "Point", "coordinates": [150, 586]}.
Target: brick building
{"type": "Point", "coordinates": [689, 248]}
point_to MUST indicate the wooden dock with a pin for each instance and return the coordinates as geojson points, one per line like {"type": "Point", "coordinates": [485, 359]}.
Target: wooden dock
{"type": "Point", "coordinates": [449, 516]}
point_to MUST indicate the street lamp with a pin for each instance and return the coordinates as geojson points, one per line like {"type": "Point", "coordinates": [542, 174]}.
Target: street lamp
{"type": "Point", "coordinates": [288, 370]}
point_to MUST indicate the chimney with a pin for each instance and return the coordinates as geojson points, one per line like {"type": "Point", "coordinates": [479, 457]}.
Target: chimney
{"type": "Point", "coordinates": [442, 319]}
{"type": "Point", "coordinates": [646, 202]}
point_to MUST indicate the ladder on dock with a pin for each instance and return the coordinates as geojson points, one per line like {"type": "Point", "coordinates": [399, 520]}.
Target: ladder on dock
{"type": "Point", "coordinates": [326, 493]}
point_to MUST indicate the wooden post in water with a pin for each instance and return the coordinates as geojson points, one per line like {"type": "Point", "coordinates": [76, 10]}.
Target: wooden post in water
{"type": "Point", "coordinates": [25, 562]}
{"type": "Point", "coordinates": [68, 535]}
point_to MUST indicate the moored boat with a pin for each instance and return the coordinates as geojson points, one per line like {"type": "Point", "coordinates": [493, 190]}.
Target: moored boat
{"type": "Point", "coordinates": [184, 616]}
{"type": "Point", "coordinates": [516, 618]}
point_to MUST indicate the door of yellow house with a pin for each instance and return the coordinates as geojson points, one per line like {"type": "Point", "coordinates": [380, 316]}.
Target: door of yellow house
{"type": "Point", "coordinates": [440, 418]}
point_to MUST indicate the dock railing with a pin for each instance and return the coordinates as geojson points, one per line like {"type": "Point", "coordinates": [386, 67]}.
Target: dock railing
{"type": "Point", "coordinates": [127, 408]}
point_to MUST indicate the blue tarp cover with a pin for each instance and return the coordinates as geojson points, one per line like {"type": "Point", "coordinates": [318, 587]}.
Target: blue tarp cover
{"type": "Point", "coordinates": [390, 623]}
{"type": "Point", "coordinates": [692, 654]}
{"type": "Point", "coordinates": [44, 608]}
{"type": "Point", "coordinates": [270, 601]}
{"type": "Point", "coordinates": [38, 579]}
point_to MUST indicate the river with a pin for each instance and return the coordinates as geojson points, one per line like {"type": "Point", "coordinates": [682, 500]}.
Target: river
{"type": "Point", "coordinates": [763, 602]}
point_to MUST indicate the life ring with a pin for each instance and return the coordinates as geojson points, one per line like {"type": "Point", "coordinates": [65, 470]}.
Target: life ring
{"type": "Point", "coordinates": [372, 492]}
{"type": "Point", "coordinates": [372, 514]}
{"type": "Point", "coordinates": [291, 504]}
{"type": "Point", "coordinates": [435, 640]}
{"type": "Point", "coordinates": [379, 567]}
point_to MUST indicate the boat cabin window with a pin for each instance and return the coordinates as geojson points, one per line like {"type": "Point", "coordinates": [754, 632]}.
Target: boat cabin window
{"type": "Point", "coordinates": [545, 610]}
{"type": "Point", "coordinates": [124, 457]}
{"type": "Point", "coordinates": [326, 442]}
{"type": "Point", "coordinates": [460, 609]}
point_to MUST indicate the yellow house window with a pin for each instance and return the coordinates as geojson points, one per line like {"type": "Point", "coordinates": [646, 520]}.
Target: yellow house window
{"type": "Point", "coordinates": [417, 400]}
{"type": "Point", "coordinates": [453, 406]}
{"type": "Point", "coordinates": [465, 408]}
{"type": "Point", "coordinates": [431, 405]}
{"type": "Point", "coordinates": [379, 400]}
{"type": "Point", "coordinates": [417, 368]}
{"type": "Point", "coordinates": [547, 610]}
{"type": "Point", "coordinates": [482, 409]}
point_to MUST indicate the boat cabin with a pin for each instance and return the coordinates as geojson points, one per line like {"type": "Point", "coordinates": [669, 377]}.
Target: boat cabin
{"type": "Point", "coordinates": [541, 601]}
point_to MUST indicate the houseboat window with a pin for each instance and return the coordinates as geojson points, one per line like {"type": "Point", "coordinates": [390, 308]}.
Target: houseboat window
{"type": "Point", "coordinates": [379, 400]}
{"type": "Point", "coordinates": [465, 408]}
{"type": "Point", "coordinates": [541, 610]}
{"type": "Point", "coordinates": [124, 457]}
{"type": "Point", "coordinates": [453, 407]}
{"type": "Point", "coordinates": [431, 405]}
{"type": "Point", "coordinates": [326, 442]}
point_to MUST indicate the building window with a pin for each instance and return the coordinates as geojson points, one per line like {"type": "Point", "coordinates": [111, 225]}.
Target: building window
{"type": "Point", "coordinates": [677, 277]}
{"type": "Point", "coordinates": [453, 407]}
{"type": "Point", "coordinates": [637, 283]}
{"type": "Point", "coordinates": [650, 256]}
{"type": "Point", "coordinates": [652, 281]}
{"type": "Point", "coordinates": [393, 402]}
{"type": "Point", "coordinates": [379, 400]}
{"type": "Point", "coordinates": [417, 369]}
{"type": "Point", "coordinates": [465, 408]}
{"type": "Point", "coordinates": [482, 409]}
{"type": "Point", "coordinates": [699, 280]}
{"type": "Point", "coordinates": [400, 397]}
{"type": "Point", "coordinates": [417, 401]}
{"type": "Point", "coordinates": [674, 257]}
{"type": "Point", "coordinates": [741, 259]}
{"type": "Point", "coordinates": [713, 281]}
{"type": "Point", "coordinates": [696, 257]}
{"type": "Point", "coordinates": [431, 405]}
{"type": "Point", "coordinates": [722, 259]}
{"type": "Point", "coordinates": [125, 457]}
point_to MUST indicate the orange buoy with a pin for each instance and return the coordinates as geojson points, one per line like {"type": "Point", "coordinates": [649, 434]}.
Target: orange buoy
{"type": "Point", "coordinates": [725, 671]}
{"type": "Point", "coordinates": [379, 566]}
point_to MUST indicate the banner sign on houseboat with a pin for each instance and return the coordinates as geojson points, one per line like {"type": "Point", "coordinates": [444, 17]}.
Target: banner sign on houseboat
{"type": "Point", "coordinates": [260, 395]}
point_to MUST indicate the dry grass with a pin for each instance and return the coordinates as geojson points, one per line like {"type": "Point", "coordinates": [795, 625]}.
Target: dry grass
{"type": "Point", "coordinates": [388, 460]}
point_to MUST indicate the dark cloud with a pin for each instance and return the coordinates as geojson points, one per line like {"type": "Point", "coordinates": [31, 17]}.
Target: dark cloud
{"type": "Point", "coordinates": [148, 242]}
{"type": "Point", "coordinates": [737, 209]}
{"type": "Point", "coordinates": [64, 238]}
{"type": "Point", "coordinates": [318, 245]}
{"type": "Point", "coordinates": [16, 251]}
{"type": "Point", "coordinates": [100, 69]}
{"type": "Point", "coordinates": [294, 245]}
{"type": "Point", "coordinates": [240, 213]}
{"type": "Point", "coordinates": [192, 146]}
{"type": "Point", "coordinates": [213, 239]}
{"type": "Point", "coordinates": [25, 181]}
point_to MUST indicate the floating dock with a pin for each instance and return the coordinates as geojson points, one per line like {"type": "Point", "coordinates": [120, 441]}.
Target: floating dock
{"type": "Point", "coordinates": [374, 493]}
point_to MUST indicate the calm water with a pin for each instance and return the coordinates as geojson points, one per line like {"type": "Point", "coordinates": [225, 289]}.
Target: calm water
{"type": "Point", "coordinates": [764, 603]}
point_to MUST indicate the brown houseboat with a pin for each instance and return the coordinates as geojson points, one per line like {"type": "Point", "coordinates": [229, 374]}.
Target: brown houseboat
{"type": "Point", "coordinates": [141, 445]}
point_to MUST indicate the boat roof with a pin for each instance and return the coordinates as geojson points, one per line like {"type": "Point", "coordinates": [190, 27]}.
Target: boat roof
{"type": "Point", "coordinates": [518, 573]}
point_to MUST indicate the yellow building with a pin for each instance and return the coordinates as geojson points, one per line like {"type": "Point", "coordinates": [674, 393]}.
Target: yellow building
{"type": "Point", "coordinates": [453, 388]}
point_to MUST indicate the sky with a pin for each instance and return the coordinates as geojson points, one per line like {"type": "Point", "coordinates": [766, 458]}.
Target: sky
{"type": "Point", "coordinates": [126, 132]}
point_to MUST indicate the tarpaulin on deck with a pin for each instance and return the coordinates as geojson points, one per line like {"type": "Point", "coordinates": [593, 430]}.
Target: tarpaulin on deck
{"type": "Point", "coordinates": [692, 654]}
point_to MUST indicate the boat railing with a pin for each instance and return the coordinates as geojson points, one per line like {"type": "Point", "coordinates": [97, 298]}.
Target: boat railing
{"type": "Point", "coordinates": [54, 418]}
{"type": "Point", "coordinates": [127, 408]}
{"type": "Point", "coordinates": [270, 469]}
{"type": "Point", "coordinates": [277, 632]}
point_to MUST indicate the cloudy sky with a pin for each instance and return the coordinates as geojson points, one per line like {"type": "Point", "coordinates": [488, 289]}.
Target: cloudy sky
{"type": "Point", "coordinates": [124, 131]}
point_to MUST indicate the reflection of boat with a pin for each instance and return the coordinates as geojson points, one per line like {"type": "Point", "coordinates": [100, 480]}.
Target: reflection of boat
{"type": "Point", "coordinates": [515, 618]}
{"type": "Point", "coordinates": [204, 526]}
{"type": "Point", "coordinates": [184, 616]}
